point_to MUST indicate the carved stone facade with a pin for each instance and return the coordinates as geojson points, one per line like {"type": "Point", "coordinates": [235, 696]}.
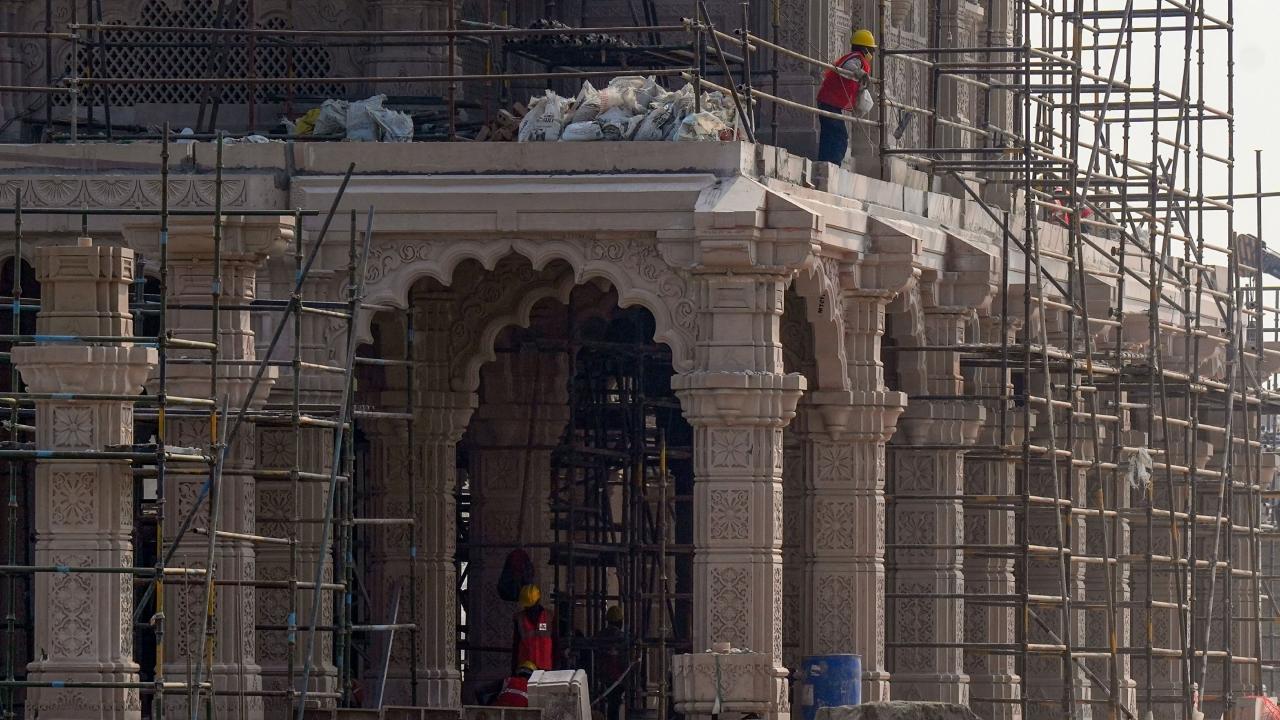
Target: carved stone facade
{"type": "Point", "coordinates": [842, 455]}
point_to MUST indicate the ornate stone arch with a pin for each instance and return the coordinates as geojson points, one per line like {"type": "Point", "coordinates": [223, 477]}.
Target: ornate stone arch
{"type": "Point", "coordinates": [517, 310]}
{"type": "Point", "coordinates": [631, 265]}
{"type": "Point", "coordinates": [819, 285]}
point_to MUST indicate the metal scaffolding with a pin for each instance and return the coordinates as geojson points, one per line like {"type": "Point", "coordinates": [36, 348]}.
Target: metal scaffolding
{"type": "Point", "coordinates": [1099, 181]}
{"type": "Point", "coordinates": [158, 462]}
{"type": "Point", "coordinates": [1098, 141]}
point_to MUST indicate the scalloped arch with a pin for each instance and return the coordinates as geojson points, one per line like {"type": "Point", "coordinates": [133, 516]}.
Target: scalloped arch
{"type": "Point", "coordinates": [520, 315]}
{"type": "Point", "coordinates": [632, 266]}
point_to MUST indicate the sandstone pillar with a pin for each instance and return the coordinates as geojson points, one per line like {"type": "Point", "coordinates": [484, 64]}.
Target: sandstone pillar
{"type": "Point", "coordinates": [83, 507]}
{"type": "Point", "coordinates": [442, 418]}
{"type": "Point", "coordinates": [522, 414]}
{"type": "Point", "coordinates": [1050, 527]}
{"type": "Point", "coordinates": [389, 571]}
{"type": "Point", "coordinates": [738, 400]}
{"type": "Point", "coordinates": [928, 577]}
{"type": "Point", "coordinates": [323, 341]}
{"type": "Point", "coordinates": [795, 615]}
{"type": "Point", "coordinates": [993, 677]}
{"type": "Point", "coordinates": [845, 504]}
{"type": "Point", "coordinates": [245, 244]}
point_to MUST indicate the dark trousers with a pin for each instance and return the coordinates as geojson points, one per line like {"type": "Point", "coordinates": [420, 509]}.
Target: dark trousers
{"type": "Point", "coordinates": [833, 139]}
{"type": "Point", "coordinates": [613, 704]}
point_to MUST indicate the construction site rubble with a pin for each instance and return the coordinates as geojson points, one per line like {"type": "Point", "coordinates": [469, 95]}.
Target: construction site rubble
{"type": "Point", "coordinates": [628, 108]}
{"type": "Point", "coordinates": [361, 121]}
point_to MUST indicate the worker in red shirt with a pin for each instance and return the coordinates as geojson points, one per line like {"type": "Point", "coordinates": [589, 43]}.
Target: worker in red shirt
{"type": "Point", "coordinates": [515, 689]}
{"type": "Point", "coordinates": [838, 94]}
{"type": "Point", "coordinates": [1063, 215]}
{"type": "Point", "coordinates": [532, 641]}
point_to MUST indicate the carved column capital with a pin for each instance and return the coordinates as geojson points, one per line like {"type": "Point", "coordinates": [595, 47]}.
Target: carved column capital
{"type": "Point", "coordinates": [738, 398]}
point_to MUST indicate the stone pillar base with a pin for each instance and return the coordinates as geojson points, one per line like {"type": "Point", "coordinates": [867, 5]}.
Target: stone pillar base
{"type": "Point", "coordinates": [748, 683]}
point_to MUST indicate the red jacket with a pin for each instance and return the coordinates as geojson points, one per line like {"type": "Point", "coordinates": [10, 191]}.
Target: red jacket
{"type": "Point", "coordinates": [838, 90]}
{"type": "Point", "coordinates": [515, 693]}
{"type": "Point", "coordinates": [534, 638]}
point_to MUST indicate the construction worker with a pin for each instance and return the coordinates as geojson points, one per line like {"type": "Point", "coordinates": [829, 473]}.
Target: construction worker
{"type": "Point", "coordinates": [1062, 216]}
{"type": "Point", "coordinates": [838, 94]}
{"type": "Point", "coordinates": [532, 641]}
{"type": "Point", "coordinates": [611, 662]}
{"type": "Point", "coordinates": [515, 689]}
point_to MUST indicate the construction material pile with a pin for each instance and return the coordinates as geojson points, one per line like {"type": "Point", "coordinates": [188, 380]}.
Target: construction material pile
{"type": "Point", "coordinates": [360, 120]}
{"type": "Point", "coordinates": [629, 108]}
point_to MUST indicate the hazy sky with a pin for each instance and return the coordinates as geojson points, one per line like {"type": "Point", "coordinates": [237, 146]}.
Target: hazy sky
{"type": "Point", "coordinates": [1257, 105]}
{"type": "Point", "coordinates": [1257, 99]}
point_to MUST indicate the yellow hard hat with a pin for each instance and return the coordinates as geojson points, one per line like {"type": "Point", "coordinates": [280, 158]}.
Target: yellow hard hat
{"type": "Point", "coordinates": [613, 614]}
{"type": "Point", "coordinates": [529, 665]}
{"type": "Point", "coordinates": [863, 38]}
{"type": "Point", "coordinates": [529, 596]}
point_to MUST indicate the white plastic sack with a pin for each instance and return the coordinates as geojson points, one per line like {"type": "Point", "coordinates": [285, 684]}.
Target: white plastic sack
{"type": "Point", "coordinates": [588, 105]}
{"type": "Point", "coordinates": [656, 124]}
{"type": "Point", "coordinates": [333, 118]}
{"type": "Point", "coordinates": [645, 89]}
{"type": "Point", "coordinates": [619, 127]}
{"type": "Point", "coordinates": [582, 132]}
{"type": "Point", "coordinates": [361, 127]}
{"type": "Point", "coordinates": [662, 121]}
{"type": "Point", "coordinates": [623, 98]}
{"type": "Point", "coordinates": [545, 119]}
{"type": "Point", "coordinates": [395, 125]}
{"type": "Point", "coordinates": [703, 127]}
{"type": "Point", "coordinates": [865, 103]}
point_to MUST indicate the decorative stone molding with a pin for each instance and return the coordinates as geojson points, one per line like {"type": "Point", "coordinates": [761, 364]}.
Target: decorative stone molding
{"type": "Point", "coordinates": [120, 191]}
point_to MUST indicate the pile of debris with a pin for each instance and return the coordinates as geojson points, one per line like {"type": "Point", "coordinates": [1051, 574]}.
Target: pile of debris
{"type": "Point", "coordinates": [629, 108]}
{"type": "Point", "coordinates": [361, 121]}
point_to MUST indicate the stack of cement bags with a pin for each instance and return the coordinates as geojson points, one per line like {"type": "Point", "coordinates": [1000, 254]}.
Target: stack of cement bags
{"type": "Point", "coordinates": [629, 108]}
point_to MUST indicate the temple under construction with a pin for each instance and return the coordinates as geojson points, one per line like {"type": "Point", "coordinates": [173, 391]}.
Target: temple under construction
{"type": "Point", "coordinates": [991, 404]}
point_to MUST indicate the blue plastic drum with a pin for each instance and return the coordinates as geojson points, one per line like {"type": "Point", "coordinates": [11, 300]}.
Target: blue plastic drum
{"type": "Point", "coordinates": [829, 681]}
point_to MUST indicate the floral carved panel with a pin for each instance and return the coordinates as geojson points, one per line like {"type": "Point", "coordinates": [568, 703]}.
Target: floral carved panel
{"type": "Point", "coordinates": [730, 448]}
{"type": "Point", "coordinates": [834, 621]}
{"type": "Point", "coordinates": [72, 501]}
{"type": "Point", "coordinates": [729, 514]}
{"type": "Point", "coordinates": [72, 612]}
{"type": "Point", "coordinates": [72, 427]}
{"type": "Point", "coordinates": [833, 526]}
{"type": "Point", "coordinates": [834, 462]}
{"type": "Point", "coordinates": [729, 598]}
